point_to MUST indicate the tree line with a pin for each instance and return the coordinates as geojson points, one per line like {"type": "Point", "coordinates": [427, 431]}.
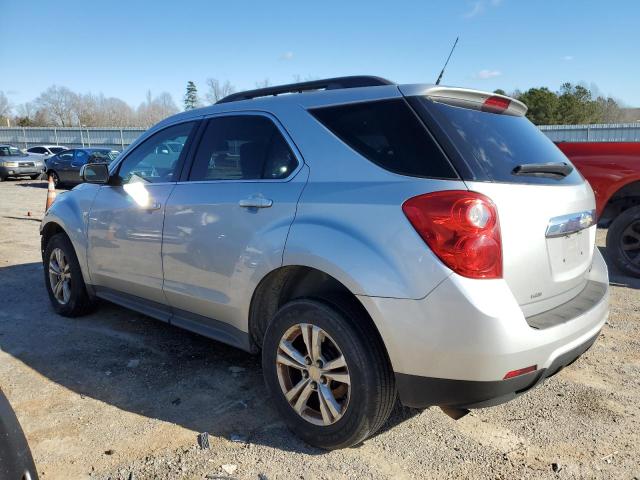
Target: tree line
{"type": "Point", "coordinates": [571, 105]}
{"type": "Point", "coordinates": [58, 106]}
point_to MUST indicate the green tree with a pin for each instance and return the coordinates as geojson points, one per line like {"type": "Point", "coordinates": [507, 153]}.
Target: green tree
{"type": "Point", "coordinates": [575, 105]}
{"type": "Point", "coordinates": [191, 97]}
{"type": "Point", "coordinates": [500, 91]}
{"type": "Point", "coordinates": [542, 105]}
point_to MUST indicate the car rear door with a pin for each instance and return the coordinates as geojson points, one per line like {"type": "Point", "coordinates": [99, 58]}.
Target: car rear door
{"type": "Point", "coordinates": [227, 223]}
{"type": "Point", "coordinates": [126, 218]}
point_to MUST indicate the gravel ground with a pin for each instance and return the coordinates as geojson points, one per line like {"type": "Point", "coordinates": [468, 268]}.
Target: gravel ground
{"type": "Point", "coordinates": [116, 395]}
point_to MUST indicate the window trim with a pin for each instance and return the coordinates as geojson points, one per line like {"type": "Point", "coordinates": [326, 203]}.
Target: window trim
{"type": "Point", "coordinates": [184, 179]}
{"type": "Point", "coordinates": [197, 121]}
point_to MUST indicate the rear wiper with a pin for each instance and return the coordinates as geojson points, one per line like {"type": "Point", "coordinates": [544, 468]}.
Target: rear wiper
{"type": "Point", "coordinates": [543, 169]}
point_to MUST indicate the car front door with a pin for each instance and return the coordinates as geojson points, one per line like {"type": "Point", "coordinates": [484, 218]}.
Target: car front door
{"type": "Point", "coordinates": [80, 157]}
{"type": "Point", "coordinates": [125, 222]}
{"type": "Point", "coordinates": [226, 225]}
{"type": "Point", "coordinates": [61, 164]}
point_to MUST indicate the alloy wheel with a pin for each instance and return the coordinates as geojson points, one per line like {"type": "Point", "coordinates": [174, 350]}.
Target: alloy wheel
{"type": "Point", "coordinates": [60, 276]}
{"type": "Point", "coordinates": [313, 374]}
{"type": "Point", "coordinates": [630, 242]}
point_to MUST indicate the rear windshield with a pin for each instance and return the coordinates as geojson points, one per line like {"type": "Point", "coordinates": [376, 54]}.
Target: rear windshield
{"type": "Point", "coordinates": [57, 149]}
{"type": "Point", "coordinates": [389, 134]}
{"type": "Point", "coordinates": [496, 143]}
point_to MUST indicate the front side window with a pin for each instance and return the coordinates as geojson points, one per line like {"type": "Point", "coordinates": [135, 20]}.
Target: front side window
{"type": "Point", "coordinates": [66, 156]}
{"type": "Point", "coordinates": [37, 150]}
{"type": "Point", "coordinates": [243, 147]}
{"type": "Point", "coordinates": [153, 161]}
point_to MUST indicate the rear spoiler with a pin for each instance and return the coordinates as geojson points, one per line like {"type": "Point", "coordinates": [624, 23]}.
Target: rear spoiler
{"type": "Point", "coordinates": [465, 97]}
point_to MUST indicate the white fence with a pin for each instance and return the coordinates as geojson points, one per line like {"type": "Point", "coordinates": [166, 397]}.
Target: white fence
{"type": "Point", "coordinates": [117, 138]}
{"type": "Point", "coordinates": [611, 132]}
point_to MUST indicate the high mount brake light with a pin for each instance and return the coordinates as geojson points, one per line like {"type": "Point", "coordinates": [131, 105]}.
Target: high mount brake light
{"type": "Point", "coordinates": [496, 104]}
{"type": "Point", "coordinates": [461, 228]}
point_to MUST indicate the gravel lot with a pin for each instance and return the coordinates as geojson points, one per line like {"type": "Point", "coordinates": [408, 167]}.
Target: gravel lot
{"type": "Point", "coordinates": [118, 395]}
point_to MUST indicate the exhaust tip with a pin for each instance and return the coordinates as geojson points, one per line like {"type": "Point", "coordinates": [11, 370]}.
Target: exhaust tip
{"type": "Point", "coordinates": [453, 412]}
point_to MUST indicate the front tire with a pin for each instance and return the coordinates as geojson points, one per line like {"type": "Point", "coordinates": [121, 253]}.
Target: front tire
{"type": "Point", "coordinates": [63, 278]}
{"type": "Point", "coordinates": [327, 373]}
{"type": "Point", "coordinates": [623, 241]}
{"type": "Point", "coordinates": [34, 177]}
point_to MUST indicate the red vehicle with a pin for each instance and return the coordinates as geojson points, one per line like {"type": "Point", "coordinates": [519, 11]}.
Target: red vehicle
{"type": "Point", "coordinates": [613, 170]}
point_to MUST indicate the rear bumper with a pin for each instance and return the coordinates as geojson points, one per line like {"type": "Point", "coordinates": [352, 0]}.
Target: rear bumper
{"type": "Point", "coordinates": [420, 392]}
{"type": "Point", "coordinates": [455, 346]}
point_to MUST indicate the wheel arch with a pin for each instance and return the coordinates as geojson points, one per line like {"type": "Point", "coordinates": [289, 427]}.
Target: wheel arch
{"type": "Point", "coordinates": [625, 197]}
{"type": "Point", "coordinates": [291, 282]}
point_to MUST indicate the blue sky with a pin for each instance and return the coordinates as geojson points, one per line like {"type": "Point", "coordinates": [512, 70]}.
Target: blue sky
{"type": "Point", "coordinates": [123, 49]}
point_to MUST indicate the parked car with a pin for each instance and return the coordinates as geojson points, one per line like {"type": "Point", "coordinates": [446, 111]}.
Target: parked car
{"type": "Point", "coordinates": [46, 150]}
{"type": "Point", "coordinates": [15, 163]}
{"type": "Point", "coordinates": [373, 240]}
{"type": "Point", "coordinates": [613, 170]}
{"type": "Point", "coordinates": [65, 166]}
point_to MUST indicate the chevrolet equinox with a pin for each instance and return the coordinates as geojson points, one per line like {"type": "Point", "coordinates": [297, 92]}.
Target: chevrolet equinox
{"type": "Point", "coordinates": [374, 241]}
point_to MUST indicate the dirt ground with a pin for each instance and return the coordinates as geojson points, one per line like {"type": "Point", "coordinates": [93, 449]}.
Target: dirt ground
{"type": "Point", "coordinates": [118, 395]}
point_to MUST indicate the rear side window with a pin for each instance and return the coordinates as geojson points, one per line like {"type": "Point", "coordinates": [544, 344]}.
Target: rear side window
{"type": "Point", "coordinates": [496, 143]}
{"type": "Point", "coordinates": [243, 147]}
{"type": "Point", "coordinates": [389, 134]}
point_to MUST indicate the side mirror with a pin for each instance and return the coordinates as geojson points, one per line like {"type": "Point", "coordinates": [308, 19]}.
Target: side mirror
{"type": "Point", "coordinates": [95, 173]}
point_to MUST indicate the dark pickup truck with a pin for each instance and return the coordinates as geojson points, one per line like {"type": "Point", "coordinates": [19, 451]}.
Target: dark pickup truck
{"type": "Point", "coordinates": [613, 170]}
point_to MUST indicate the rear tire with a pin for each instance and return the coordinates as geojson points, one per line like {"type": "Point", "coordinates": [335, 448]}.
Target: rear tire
{"type": "Point", "coordinates": [361, 406]}
{"type": "Point", "coordinates": [623, 241]}
{"type": "Point", "coordinates": [71, 298]}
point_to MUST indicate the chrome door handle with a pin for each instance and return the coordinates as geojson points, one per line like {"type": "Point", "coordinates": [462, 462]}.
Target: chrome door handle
{"type": "Point", "coordinates": [154, 206]}
{"type": "Point", "coordinates": [256, 202]}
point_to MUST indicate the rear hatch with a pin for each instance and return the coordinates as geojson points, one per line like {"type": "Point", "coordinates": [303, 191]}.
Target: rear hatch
{"type": "Point", "coordinates": [546, 210]}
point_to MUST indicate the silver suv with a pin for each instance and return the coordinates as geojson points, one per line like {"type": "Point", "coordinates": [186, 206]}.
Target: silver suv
{"type": "Point", "coordinates": [373, 240]}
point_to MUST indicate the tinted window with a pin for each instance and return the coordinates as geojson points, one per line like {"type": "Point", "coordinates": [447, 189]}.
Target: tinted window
{"type": "Point", "coordinates": [497, 142]}
{"type": "Point", "coordinates": [80, 157]}
{"type": "Point", "coordinates": [389, 134]}
{"type": "Point", "coordinates": [244, 147]}
{"type": "Point", "coordinates": [101, 156]}
{"type": "Point", "coordinates": [152, 161]}
{"type": "Point", "coordinates": [57, 149]}
{"type": "Point", "coordinates": [66, 156]}
{"type": "Point", "coordinates": [37, 150]}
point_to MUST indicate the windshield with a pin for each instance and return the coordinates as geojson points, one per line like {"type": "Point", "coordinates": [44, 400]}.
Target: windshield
{"type": "Point", "coordinates": [498, 143]}
{"type": "Point", "coordinates": [7, 151]}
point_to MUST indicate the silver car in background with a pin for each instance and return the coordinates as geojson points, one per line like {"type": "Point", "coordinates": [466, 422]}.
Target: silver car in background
{"type": "Point", "coordinates": [372, 240]}
{"type": "Point", "coordinates": [15, 163]}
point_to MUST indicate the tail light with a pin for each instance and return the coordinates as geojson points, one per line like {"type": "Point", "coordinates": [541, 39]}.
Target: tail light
{"type": "Point", "coordinates": [461, 228]}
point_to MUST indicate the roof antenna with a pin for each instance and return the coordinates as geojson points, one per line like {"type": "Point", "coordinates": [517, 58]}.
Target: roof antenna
{"type": "Point", "coordinates": [445, 63]}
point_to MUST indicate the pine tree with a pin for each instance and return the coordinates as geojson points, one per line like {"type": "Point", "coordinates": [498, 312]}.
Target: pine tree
{"type": "Point", "coordinates": [191, 97]}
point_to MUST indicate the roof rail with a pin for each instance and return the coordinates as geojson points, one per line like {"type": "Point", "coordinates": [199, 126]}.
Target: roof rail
{"type": "Point", "coordinates": [325, 84]}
